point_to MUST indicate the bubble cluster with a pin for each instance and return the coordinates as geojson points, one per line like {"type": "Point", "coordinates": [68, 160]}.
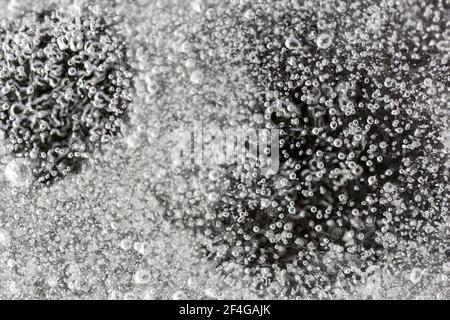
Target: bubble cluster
{"type": "Point", "coordinates": [363, 163]}
{"type": "Point", "coordinates": [65, 87]}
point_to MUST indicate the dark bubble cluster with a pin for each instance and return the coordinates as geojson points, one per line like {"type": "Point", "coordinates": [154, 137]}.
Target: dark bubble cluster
{"type": "Point", "coordinates": [65, 87]}
{"type": "Point", "coordinates": [360, 94]}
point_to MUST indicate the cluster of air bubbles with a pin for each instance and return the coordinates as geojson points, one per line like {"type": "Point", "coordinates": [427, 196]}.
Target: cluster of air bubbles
{"type": "Point", "coordinates": [65, 87]}
{"type": "Point", "coordinates": [364, 169]}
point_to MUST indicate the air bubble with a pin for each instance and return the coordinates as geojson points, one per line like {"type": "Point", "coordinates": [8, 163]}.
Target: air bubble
{"type": "Point", "coordinates": [416, 275]}
{"type": "Point", "coordinates": [324, 41]}
{"type": "Point", "coordinates": [18, 173]}
{"type": "Point", "coordinates": [5, 239]}
{"type": "Point", "coordinates": [292, 43]}
{"type": "Point", "coordinates": [197, 77]}
{"type": "Point", "coordinates": [142, 277]}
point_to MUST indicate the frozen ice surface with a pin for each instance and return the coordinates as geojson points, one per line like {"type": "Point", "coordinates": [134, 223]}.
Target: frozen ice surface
{"type": "Point", "coordinates": [130, 226]}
